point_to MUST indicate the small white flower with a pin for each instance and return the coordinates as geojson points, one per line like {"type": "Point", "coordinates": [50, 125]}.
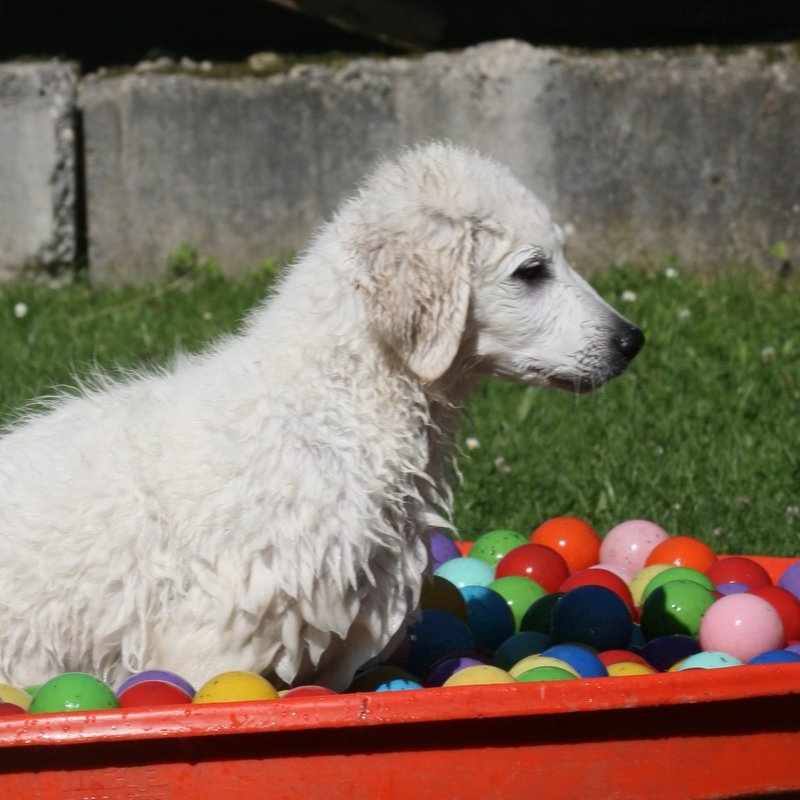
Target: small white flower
{"type": "Point", "coordinates": [671, 272]}
{"type": "Point", "coordinates": [628, 296]}
{"type": "Point", "coordinates": [768, 354]}
{"type": "Point", "coordinates": [20, 310]}
{"type": "Point", "coordinates": [501, 466]}
{"type": "Point", "coordinates": [793, 512]}
{"type": "Point", "coordinates": [472, 443]}
{"type": "Point", "coordinates": [207, 316]}
{"type": "Point", "coordinates": [684, 314]}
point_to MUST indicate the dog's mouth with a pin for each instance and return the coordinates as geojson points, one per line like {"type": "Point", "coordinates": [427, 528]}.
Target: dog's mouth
{"type": "Point", "coordinates": [622, 347]}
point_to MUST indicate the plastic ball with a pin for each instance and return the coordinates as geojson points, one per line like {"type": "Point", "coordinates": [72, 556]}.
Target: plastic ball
{"type": "Point", "coordinates": [73, 691]}
{"type": "Point", "coordinates": [664, 652]}
{"type": "Point", "coordinates": [520, 594]}
{"type": "Point", "coordinates": [152, 693]}
{"type": "Point", "coordinates": [433, 636]}
{"type": "Point", "coordinates": [446, 667]}
{"type": "Point", "coordinates": [609, 657]}
{"type": "Point", "coordinates": [738, 569]}
{"type": "Point", "coordinates": [683, 551]}
{"type": "Point", "coordinates": [706, 659]}
{"type": "Point", "coordinates": [438, 592]}
{"type": "Point", "coordinates": [371, 680]}
{"type": "Point", "coordinates": [790, 579]}
{"type": "Point", "coordinates": [742, 625]}
{"type": "Point", "coordinates": [15, 696]}
{"type": "Point", "coordinates": [537, 562]}
{"type": "Point", "coordinates": [538, 661]}
{"type": "Point", "coordinates": [575, 540]}
{"type": "Point", "coordinates": [639, 581]}
{"type": "Point", "coordinates": [675, 607]}
{"type": "Point", "coordinates": [784, 602]}
{"type": "Point", "coordinates": [592, 615]}
{"type": "Point", "coordinates": [629, 543]}
{"type": "Point", "coordinates": [306, 690]}
{"type": "Point", "coordinates": [539, 616]}
{"type": "Point", "coordinates": [489, 616]}
{"type": "Point", "coordinates": [491, 547]}
{"type": "Point", "coordinates": [160, 675]}
{"type": "Point", "coordinates": [441, 548]}
{"type": "Point", "coordinates": [600, 577]}
{"type": "Point", "coordinates": [399, 685]}
{"type": "Point", "coordinates": [466, 571]}
{"type": "Point", "coordinates": [538, 674]}
{"type": "Point", "coordinates": [482, 674]}
{"type": "Point", "coordinates": [622, 669]}
{"type": "Point", "coordinates": [677, 574]}
{"type": "Point", "coordinates": [621, 572]}
{"type": "Point", "coordinates": [583, 660]}
{"type": "Point", "coordinates": [731, 588]}
{"type": "Point", "coordinates": [776, 657]}
{"type": "Point", "coordinates": [235, 686]}
{"type": "Point", "coordinates": [519, 646]}
{"type": "Point", "coordinates": [10, 709]}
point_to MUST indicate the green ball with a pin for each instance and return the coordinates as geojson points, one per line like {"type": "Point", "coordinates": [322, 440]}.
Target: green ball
{"type": "Point", "coordinates": [545, 674]}
{"type": "Point", "coordinates": [675, 608]}
{"type": "Point", "coordinates": [677, 574]}
{"type": "Point", "coordinates": [73, 691]}
{"type": "Point", "coordinates": [520, 594]}
{"type": "Point", "coordinates": [493, 546]}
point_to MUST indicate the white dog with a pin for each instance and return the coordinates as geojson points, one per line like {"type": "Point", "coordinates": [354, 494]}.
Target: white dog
{"type": "Point", "coordinates": [264, 506]}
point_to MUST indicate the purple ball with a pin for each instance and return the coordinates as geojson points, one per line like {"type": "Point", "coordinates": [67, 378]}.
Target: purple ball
{"type": "Point", "coordinates": [732, 588]}
{"type": "Point", "coordinates": [443, 669]}
{"type": "Point", "coordinates": [790, 580]}
{"type": "Point", "coordinates": [441, 548]}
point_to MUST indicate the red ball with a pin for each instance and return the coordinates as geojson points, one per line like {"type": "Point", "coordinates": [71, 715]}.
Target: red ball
{"type": "Point", "coordinates": [597, 576]}
{"type": "Point", "coordinates": [787, 606]}
{"type": "Point", "coordinates": [536, 562]}
{"type": "Point", "coordinates": [152, 693]}
{"type": "Point", "coordinates": [682, 551]}
{"type": "Point", "coordinates": [738, 569]}
{"type": "Point", "coordinates": [609, 657]}
{"type": "Point", "coordinates": [576, 540]}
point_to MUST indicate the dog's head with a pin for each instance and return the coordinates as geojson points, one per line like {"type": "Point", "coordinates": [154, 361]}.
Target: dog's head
{"type": "Point", "coordinates": [461, 267]}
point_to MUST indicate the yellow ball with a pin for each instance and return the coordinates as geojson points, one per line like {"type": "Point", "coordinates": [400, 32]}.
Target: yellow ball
{"type": "Point", "coordinates": [531, 662]}
{"type": "Point", "coordinates": [231, 687]}
{"type": "Point", "coordinates": [19, 697]}
{"type": "Point", "coordinates": [639, 581]}
{"type": "Point", "coordinates": [478, 675]}
{"type": "Point", "coordinates": [625, 668]}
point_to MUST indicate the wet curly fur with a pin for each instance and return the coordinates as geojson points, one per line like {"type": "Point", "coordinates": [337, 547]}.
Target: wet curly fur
{"type": "Point", "coordinates": [264, 505]}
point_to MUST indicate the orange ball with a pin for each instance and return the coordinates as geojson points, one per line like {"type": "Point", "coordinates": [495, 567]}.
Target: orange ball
{"type": "Point", "coordinates": [682, 551]}
{"type": "Point", "coordinates": [576, 541]}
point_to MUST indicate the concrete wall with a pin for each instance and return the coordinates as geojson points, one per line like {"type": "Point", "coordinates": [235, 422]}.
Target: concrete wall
{"type": "Point", "coordinates": [643, 156]}
{"type": "Point", "coordinates": [37, 166]}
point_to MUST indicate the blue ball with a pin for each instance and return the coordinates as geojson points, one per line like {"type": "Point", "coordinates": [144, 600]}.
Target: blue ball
{"type": "Point", "coordinates": [398, 685]}
{"type": "Point", "coordinates": [580, 658]}
{"type": "Point", "coordinates": [519, 646]}
{"type": "Point", "coordinates": [435, 635]}
{"type": "Point", "coordinates": [489, 616]}
{"type": "Point", "coordinates": [592, 615]}
{"type": "Point", "coordinates": [466, 572]}
{"type": "Point", "coordinates": [664, 652]}
{"type": "Point", "coordinates": [775, 657]}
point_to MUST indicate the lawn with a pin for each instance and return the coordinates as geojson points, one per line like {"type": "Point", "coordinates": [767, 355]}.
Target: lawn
{"type": "Point", "coordinates": [701, 435]}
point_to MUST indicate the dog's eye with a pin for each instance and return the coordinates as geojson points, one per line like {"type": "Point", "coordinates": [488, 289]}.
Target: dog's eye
{"type": "Point", "coordinates": [533, 270]}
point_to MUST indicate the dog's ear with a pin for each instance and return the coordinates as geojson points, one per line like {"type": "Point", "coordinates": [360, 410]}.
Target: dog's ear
{"type": "Point", "coordinates": [416, 287]}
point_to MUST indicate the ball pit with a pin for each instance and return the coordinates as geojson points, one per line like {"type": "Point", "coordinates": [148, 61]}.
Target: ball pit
{"type": "Point", "coordinates": [482, 639]}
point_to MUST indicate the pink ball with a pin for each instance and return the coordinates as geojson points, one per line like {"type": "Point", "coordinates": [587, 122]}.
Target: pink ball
{"type": "Point", "coordinates": [629, 543]}
{"type": "Point", "coordinates": [741, 625]}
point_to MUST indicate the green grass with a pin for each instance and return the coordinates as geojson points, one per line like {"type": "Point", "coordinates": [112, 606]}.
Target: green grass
{"type": "Point", "coordinates": [701, 435]}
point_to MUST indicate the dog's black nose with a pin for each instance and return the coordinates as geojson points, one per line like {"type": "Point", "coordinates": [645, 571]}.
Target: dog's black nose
{"type": "Point", "coordinates": [629, 341]}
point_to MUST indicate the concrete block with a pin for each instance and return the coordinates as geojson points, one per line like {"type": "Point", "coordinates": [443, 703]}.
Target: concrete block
{"type": "Point", "coordinates": [37, 166]}
{"type": "Point", "coordinates": [642, 156]}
